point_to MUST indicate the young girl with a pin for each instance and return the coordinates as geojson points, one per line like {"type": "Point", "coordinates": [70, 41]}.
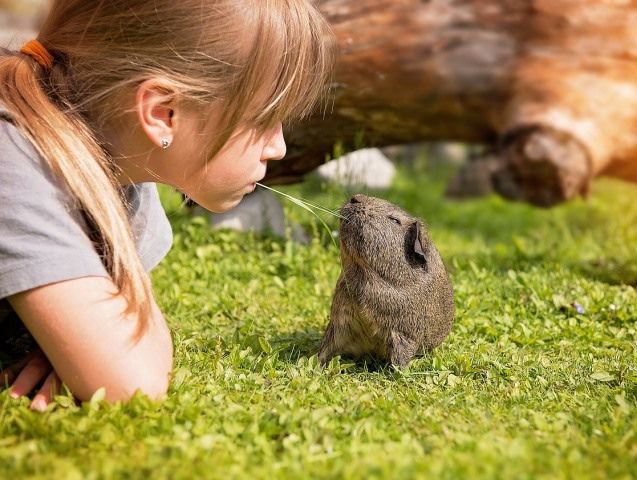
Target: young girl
{"type": "Point", "coordinates": [111, 96]}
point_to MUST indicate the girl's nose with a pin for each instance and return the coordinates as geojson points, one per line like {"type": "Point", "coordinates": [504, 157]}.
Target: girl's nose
{"type": "Point", "coordinates": [274, 148]}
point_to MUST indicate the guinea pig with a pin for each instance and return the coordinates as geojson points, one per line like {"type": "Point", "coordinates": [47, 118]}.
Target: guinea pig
{"type": "Point", "coordinates": [393, 297]}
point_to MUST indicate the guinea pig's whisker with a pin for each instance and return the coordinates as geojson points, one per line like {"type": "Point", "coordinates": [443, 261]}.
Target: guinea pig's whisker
{"type": "Point", "coordinates": [305, 203]}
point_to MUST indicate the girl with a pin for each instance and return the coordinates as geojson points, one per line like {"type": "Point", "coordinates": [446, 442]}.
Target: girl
{"type": "Point", "coordinates": [111, 96]}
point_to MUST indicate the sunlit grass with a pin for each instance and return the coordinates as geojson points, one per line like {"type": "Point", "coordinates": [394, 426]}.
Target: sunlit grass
{"type": "Point", "coordinates": [524, 387]}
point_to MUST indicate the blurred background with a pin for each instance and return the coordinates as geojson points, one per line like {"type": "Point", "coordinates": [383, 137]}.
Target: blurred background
{"type": "Point", "coordinates": [537, 98]}
{"type": "Point", "coordinates": [19, 20]}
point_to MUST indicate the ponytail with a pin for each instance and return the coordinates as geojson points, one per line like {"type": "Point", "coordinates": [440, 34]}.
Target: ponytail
{"type": "Point", "coordinates": [66, 142]}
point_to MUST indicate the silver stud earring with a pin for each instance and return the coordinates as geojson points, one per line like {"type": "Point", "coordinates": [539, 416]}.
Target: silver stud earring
{"type": "Point", "coordinates": [165, 143]}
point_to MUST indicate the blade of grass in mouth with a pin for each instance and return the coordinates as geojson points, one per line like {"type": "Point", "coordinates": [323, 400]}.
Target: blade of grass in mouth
{"type": "Point", "coordinates": [306, 205]}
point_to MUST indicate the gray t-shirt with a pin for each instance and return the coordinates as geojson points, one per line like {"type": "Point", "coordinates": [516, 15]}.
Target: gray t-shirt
{"type": "Point", "coordinates": [43, 235]}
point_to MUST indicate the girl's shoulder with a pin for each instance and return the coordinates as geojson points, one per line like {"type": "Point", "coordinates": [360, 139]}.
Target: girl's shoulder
{"type": "Point", "coordinates": [44, 237]}
{"type": "Point", "coordinates": [44, 233]}
{"type": "Point", "coordinates": [17, 153]}
{"type": "Point", "coordinates": [19, 160]}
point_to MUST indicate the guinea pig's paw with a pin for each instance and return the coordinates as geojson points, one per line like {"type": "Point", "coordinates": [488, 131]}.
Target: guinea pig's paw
{"type": "Point", "coordinates": [401, 350]}
{"type": "Point", "coordinates": [325, 355]}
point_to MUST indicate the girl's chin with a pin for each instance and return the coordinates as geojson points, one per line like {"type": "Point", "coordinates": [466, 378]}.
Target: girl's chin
{"type": "Point", "coordinates": [227, 205]}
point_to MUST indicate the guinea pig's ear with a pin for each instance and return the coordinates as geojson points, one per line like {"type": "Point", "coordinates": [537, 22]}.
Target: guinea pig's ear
{"type": "Point", "coordinates": [419, 247]}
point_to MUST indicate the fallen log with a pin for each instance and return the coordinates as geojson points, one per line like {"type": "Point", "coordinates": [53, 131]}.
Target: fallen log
{"type": "Point", "coordinates": [550, 85]}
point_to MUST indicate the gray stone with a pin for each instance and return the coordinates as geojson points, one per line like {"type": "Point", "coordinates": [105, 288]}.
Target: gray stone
{"type": "Point", "coordinates": [368, 167]}
{"type": "Point", "coordinates": [260, 211]}
{"type": "Point", "coordinates": [447, 153]}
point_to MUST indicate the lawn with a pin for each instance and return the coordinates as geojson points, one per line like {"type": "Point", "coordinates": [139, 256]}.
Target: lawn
{"type": "Point", "coordinates": [538, 378]}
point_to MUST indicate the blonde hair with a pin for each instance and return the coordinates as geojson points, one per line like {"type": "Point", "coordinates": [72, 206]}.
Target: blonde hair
{"type": "Point", "coordinates": [262, 60]}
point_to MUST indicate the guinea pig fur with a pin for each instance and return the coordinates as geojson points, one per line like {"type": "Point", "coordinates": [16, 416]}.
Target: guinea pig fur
{"type": "Point", "coordinates": [393, 297]}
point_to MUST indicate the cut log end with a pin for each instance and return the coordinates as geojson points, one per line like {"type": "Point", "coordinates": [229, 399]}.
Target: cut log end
{"type": "Point", "coordinates": [542, 166]}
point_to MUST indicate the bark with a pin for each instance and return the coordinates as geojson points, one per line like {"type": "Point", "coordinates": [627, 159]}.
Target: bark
{"type": "Point", "coordinates": [551, 85]}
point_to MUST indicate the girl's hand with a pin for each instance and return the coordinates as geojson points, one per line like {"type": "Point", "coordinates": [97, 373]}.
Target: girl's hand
{"type": "Point", "coordinates": [34, 369]}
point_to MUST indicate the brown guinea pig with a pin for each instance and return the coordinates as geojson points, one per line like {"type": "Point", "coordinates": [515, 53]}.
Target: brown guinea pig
{"type": "Point", "coordinates": [394, 296]}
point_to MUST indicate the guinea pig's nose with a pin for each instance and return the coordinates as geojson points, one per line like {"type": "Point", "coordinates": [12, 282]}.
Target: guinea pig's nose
{"type": "Point", "coordinates": [356, 198]}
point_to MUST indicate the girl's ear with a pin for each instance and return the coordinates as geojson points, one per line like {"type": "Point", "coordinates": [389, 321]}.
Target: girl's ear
{"type": "Point", "coordinates": [156, 108]}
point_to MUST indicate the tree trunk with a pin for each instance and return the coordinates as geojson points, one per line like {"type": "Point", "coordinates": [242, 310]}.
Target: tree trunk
{"type": "Point", "coordinates": [550, 84]}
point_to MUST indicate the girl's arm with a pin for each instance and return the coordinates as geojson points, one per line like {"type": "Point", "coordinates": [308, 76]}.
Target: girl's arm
{"type": "Point", "coordinates": [82, 329]}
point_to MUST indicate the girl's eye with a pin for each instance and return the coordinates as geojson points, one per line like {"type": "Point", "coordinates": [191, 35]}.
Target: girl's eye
{"type": "Point", "coordinates": [394, 219]}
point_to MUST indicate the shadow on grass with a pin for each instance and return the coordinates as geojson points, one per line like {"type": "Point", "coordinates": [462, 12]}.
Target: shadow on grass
{"type": "Point", "coordinates": [305, 343]}
{"type": "Point", "coordinates": [610, 271]}
{"type": "Point", "coordinates": [294, 345]}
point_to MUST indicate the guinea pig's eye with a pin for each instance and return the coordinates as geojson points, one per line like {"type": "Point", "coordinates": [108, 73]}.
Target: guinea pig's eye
{"type": "Point", "coordinates": [394, 219]}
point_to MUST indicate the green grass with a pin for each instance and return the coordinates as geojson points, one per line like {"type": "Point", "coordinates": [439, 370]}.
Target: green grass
{"type": "Point", "coordinates": [524, 387]}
